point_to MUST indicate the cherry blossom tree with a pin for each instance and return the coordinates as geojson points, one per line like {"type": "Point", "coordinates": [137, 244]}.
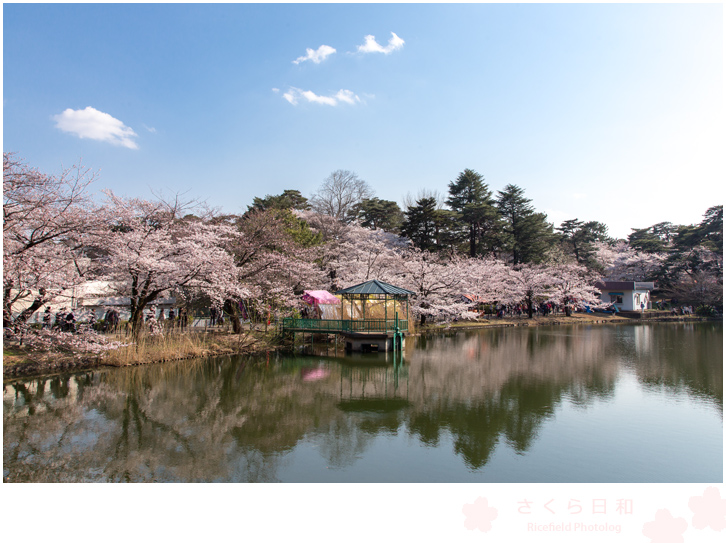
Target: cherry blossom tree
{"type": "Point", "coordinates": [46, 223]}
{"type": "Point", "coordinates": [150, 249]}
{"type": "Point", "coordinates": [273, 268]}
{"type": "Point", "coordinates": [328, 226]}
{"type": "Point", "coordinates": [438, 284]}
{"type": "Point", "coordinates": [698, 289]}
{"type": "Point", "coordinates": [361, 254]}
{"type": "Point", "coordinates": [621, 262]}
{"type": "Point", "coordinates": [529, 284]}
{"type": "Point", "coordinates": [485, 278]}
{"type": "Point", "coordinates": [572, 284]}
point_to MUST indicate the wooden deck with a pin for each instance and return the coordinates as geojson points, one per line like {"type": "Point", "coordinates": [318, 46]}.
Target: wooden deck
{"type": "Point", "coordinates": [334, 326]}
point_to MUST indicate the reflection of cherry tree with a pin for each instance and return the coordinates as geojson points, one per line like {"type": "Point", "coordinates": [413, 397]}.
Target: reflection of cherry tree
{"type": "Point", "coordinates": [236, 420]}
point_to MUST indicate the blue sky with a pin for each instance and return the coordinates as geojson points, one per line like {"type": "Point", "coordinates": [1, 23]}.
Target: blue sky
{"type": "Point", "coordinates": [600, 112]}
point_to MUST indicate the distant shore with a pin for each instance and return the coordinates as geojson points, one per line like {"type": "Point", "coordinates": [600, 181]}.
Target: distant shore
{"type": "Point", "coordinates": [538, 320]}
{"type": "Point", "coordinates": [18, 363]}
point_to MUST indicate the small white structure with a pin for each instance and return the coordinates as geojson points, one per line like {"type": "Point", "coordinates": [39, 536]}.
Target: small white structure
{"type": "Point", "coordinates": [626, 295]}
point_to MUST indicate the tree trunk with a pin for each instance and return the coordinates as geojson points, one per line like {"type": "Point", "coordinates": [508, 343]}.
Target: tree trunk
{"type": "Point", "coordinates": [472, 241]}
{"type": "Point", "coordinates": [136, 321]}
{"type": "Point", "coordinates": [232, 311]}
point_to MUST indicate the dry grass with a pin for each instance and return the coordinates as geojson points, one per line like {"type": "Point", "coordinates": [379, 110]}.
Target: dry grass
{"type": "Point", "coordinates": [18, 362]}
{"type": "Point", "coordinates": [179, 346]}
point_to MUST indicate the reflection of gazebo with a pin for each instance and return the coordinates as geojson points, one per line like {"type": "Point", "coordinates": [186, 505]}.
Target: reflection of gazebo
{"type": "Point", "coordinates": [373, 317]}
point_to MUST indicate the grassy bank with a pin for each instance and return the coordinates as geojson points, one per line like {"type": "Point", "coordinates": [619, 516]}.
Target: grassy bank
{"type": "Point", "coordinates": [147, 350]}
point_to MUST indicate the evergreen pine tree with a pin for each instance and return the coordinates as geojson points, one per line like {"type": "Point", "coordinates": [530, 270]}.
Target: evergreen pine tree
{"type": "Point", "coordinates": [526, 234]}
{"type": "Point", "coordinates": [423, 224]}
{"type": "Point", "coordinates": [471, 200]}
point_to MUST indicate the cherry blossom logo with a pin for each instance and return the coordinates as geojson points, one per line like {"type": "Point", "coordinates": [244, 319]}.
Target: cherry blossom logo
{"type": "Point", "coordinates": [479, 515]}
{"type": "Point", "coordinates": [665, 528]}
{"type": "Point", "coordinates": [709, 510]}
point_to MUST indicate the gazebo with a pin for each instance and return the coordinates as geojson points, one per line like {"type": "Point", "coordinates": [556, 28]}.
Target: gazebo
{"type": "Point", "coordinates": [377, 304]}
{"type": "Point", "coordinates": [373, 317]}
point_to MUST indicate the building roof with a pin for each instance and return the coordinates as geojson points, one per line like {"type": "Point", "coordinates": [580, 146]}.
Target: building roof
{"type": "Point", "coordinates": [624, 285]}
{"type": "Point", "coordinates": [375, 287]}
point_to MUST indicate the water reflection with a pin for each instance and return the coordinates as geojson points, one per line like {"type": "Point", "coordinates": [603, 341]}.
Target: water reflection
{"type": "Point", "coordinates": [242, 419]}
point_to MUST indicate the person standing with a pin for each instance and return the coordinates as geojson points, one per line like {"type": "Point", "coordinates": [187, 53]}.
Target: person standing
{"type": "Point", "coordinates": [46, 318]}
{"type": "Point", "coordinates": [70, 324]}
{"type": "Point", "coordinates": [212, 316]}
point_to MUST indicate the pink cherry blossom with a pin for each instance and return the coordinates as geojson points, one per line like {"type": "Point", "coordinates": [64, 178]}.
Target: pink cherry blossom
{"type": "Point", "coordinates": [148, 250]}
{"type": "Point", "coordinates": [47, 221]}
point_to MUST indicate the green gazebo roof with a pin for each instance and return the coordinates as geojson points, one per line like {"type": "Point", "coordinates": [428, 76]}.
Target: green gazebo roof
{"type": "Point", "coordinates": [375, 287]}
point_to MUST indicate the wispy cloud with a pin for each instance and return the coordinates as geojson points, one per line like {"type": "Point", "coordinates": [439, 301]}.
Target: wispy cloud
{"type": "Point", "coordinates": [372, 46]}
{"type": "Point", "coordinates": [96, 125]}
{"type": "Point", "coordinates": [317, 56]}
{"type": "Point", "coordinates": [295, 96]}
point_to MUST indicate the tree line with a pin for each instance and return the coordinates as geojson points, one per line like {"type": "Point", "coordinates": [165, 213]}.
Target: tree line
{"type": "Point", "coordinates": [494, 248]}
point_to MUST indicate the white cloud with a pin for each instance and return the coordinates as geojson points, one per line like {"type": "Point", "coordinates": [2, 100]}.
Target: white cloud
{"type": "Point", "coordinates": [316, 56]}
{"type": "Point", "coordinates": [346, 96]}
{"type": "Point", "coordinates": [372, 46]}
{"type": "Point", "coordinates": [294, 96]}
{"type": "Point", "coordinates": [291, 96]}
{"type": "Point", "coordinates": [96, 125]}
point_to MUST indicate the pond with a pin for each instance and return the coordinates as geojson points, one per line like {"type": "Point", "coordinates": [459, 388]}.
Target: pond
{"type": "Point", "coordinates": [627, 403]}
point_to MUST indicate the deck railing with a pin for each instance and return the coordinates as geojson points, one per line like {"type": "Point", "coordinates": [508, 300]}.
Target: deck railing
{"type": "Point", "coordinates": [336, 325]}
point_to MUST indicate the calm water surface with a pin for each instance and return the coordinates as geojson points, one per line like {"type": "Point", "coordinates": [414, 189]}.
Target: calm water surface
{"type": "Point", "coordinates": [640, 403]}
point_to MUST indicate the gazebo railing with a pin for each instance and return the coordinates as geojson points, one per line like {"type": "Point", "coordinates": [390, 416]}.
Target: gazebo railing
{"type": "Point", "coordinates": [337, 325]}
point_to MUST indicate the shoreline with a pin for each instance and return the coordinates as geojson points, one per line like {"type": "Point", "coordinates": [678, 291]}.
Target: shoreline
{"type": "Point", "coordinates": [19, 364]}
{"type": "Point", "coordinates": [575, 319]}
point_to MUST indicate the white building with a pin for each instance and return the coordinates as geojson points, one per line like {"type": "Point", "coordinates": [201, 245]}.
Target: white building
{"type": "Point", "coordinates": [626, 295]}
